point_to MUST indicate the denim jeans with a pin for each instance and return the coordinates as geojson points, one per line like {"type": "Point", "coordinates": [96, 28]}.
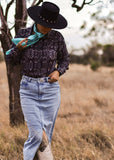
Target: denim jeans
{"type": "Point", "coordinates": [40, 101]}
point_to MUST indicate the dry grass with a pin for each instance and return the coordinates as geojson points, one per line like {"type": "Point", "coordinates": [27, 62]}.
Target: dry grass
{"type": "Point", "coordinates": [84, 128]}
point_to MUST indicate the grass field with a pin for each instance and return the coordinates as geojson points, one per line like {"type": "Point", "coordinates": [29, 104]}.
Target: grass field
{"type": "Point", "coordinates": [84, 127]}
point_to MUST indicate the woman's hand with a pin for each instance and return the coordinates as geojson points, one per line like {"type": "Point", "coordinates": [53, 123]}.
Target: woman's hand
{"type": "Point", "coordinates": [21, 46]}
{"type": "Point", "coordinates": [54, 76]}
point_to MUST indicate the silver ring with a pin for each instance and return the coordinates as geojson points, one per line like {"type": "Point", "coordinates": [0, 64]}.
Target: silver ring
{"type": "Point", "coordinates": [51, 79]}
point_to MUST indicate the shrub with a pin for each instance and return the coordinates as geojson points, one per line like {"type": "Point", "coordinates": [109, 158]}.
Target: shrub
{"type": "Point", "coordinates": [94, 64]}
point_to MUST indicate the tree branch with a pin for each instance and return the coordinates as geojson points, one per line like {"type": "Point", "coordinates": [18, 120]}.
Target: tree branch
{"type": "Point", "coordinates": [1, 14]}
{"type": "Point", "coordinates": [12, 27]}
{"type": "Point", "coordinates": [40, 1]}
{"type": "Point", "coordinates": [79, 8]}
{"type": "Point", "coordinates": [20, 15]}
{"type": "Point", "coordinates": [24, 17]}
{"type": "Point", "coordinates": [96, 2]}
{"type": "Point", "coordinates": [76, 6]}
{"type": "Point", "coordinates": [7, 8]}
{"type": "Point", "coordinates": [89, 2]}
{"type": "Point", "coordinates": [4, 29]}
{"type": "Point", "coordinates": [34, 2]}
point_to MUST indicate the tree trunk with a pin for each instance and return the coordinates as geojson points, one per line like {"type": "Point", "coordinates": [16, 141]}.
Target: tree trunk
{"type": "Point", "coordinates": [13, 72]}
{"type": "Point", "coordinates": [14, 76]}
{"type": "Point", "coordinates": [21, 15]}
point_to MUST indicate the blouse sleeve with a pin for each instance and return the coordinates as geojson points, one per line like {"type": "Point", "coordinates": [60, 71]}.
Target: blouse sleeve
{"type": "Point", "coordinates": [62, 56]}
{"type": "Point", "coordinates": [15, 54]}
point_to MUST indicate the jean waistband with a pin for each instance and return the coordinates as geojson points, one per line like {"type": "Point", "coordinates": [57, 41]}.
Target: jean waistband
{"type": "Point", "coordinates": [40, 80]}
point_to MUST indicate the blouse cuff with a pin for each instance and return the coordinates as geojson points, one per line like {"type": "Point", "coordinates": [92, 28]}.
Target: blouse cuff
{"type": "Point", "coordinates": [61, 71]}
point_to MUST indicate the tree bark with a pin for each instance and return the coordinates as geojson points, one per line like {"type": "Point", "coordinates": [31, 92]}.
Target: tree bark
{"type": "Point", "coordinates": [13, 72]}
{"type": "Point", "coordinates": [20, 15]}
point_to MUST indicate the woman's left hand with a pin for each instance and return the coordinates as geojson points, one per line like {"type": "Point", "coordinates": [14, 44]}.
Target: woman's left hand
{"type": "Point", "coordinates": [54, 76]}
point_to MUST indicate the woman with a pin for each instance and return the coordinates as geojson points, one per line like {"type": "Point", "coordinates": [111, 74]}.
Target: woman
{"type": "Point", "coordinates": [38, 48]}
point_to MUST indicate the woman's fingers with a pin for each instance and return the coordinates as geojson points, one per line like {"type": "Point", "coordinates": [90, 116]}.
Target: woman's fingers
{"type": "Point", "coordinates": [22, 44]}
{"type": "Point", "coordinates": [53, 77]}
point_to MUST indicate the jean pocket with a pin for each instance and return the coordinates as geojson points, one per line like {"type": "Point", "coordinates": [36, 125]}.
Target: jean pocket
{"type": "Point", "coordinates": [23, 83]}
{"type": "Point", "coordinates": [54, 84]}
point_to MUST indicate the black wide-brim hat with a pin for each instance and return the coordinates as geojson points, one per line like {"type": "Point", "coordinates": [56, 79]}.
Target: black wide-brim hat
{"type": "Point", "coordinates": [47, 15]}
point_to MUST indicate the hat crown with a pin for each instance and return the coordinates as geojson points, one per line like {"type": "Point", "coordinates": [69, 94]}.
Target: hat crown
{"type": "Point", "coordinates": [49, 11]}
{"type": "Point", "coordinates": [47, 15]}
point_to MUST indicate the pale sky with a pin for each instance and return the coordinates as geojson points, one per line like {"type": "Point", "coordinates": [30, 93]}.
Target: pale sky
{"type": "Point", "coordinates": [75, 19]}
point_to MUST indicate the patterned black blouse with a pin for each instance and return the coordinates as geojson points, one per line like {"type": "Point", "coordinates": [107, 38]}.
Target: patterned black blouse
{"type": "Point", "coordinates": [39, 59]}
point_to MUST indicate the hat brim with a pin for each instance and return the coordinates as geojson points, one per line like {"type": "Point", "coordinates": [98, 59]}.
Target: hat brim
{"type": "Point", "coordinates": [34, 13]}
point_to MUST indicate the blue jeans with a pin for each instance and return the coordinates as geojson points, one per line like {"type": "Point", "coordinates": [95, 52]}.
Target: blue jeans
{"type": "Point", "coordinates": [40, 101]}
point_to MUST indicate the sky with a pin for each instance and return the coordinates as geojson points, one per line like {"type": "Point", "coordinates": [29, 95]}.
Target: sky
{"type": "Point", "coordinates": [72, 34]}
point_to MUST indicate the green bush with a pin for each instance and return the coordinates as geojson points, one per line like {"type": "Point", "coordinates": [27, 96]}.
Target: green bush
{"type": "Point", "coordinates": [94, 64]}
